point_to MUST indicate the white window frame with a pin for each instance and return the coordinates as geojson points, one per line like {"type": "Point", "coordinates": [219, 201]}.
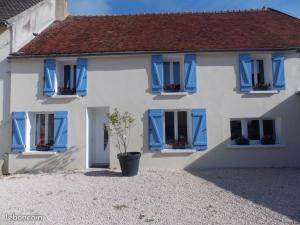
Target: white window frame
{"type": "Point", "coordinates": [189, 126]}
{"type": "Point", "coordinates": [244, 126]}
{"type": "Point", "coordinates": [172, 58]}
{"type": "Point", "coordinates": [32, 128]}
{"type": "Point", "coordinates": [267, 61]}
{"type": "Point", "coordinates": [59, 79]}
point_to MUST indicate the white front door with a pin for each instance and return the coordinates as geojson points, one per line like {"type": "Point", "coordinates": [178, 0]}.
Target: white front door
{"type": "Point", "coordinates": [98, 146]}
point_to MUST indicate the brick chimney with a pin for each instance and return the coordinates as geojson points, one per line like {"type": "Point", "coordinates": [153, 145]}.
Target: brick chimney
{"type": "Point", "coordinates": [61, 9]}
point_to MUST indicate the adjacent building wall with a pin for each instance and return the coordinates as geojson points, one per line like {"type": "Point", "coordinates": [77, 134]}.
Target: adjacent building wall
{"type": "Point", "coordinates": [125, 82]}
{"type": "Point", "coordinates": [18, 33]}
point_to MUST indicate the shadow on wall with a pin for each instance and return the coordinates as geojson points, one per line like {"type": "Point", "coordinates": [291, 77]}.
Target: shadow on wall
{"type": "Point", "coordinates": [55, 163]}
{"type": "Point", "coordinates": [276, 189]}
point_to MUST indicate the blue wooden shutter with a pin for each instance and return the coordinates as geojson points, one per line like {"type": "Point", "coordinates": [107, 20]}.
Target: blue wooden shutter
{"type": "Point", "coordinates": [81, 77]}
{"type": "Point", "coordinates": [18, 132]}
{"type": "Point", "coordinates": [60, 131]}
{"type": "Point", "coordinates": [199, 131]}
{"type": "Point", "coordinates": [176, 72]}
{"type": "Point", "coordinates": [156, 140]}
{"type": "Point", "coordinates": [190, 72]}
{"type": "Point", "coordinates": [278, 71]}
{"type": "Point", "coordinates": [245, 72]}
{"type": "Point", "coordinates": [49, 77]}
{"type": "Point", "coordinates": [157, 73]}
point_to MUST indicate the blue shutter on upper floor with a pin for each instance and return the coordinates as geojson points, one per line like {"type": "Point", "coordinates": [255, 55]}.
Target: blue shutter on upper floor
{"type": "Point", "coordinates": [199, 131]}
{"type": "Point", "coordinates": [49, 77]}
{"type": "Point", "coordinates": [81, 77]}
{"type": "Point", "coordinates": [176, 72]}
{"type": "Point", "coordinates": [60, 131]}
{"type": "Point", "coordinates": [157, 73]}
{"type": "Point", "coordinates": [278, 71]}
{"type": "Point", "coordinates": [156, 140]}
{"type": "Point", "coordinates": [18, 142]}
{"type": "Point", "coordinates": [190, 73]}
{"type": "Point", "coordinates": [245, 72]}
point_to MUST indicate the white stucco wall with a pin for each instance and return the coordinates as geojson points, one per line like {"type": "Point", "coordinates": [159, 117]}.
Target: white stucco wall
{"type": "Point", "coordinates": [124, 82]}
{"type": "Point", "coordinates": [34, 20]}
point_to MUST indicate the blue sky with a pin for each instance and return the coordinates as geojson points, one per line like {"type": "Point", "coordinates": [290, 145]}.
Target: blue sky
{"type": "Point", "coordinates": [101, 7]}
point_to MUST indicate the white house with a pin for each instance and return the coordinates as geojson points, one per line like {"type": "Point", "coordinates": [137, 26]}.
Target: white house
{"type": "Point", "coordinates": [19, 21]}
{"type": "Point", "coordinates": [208, 90]}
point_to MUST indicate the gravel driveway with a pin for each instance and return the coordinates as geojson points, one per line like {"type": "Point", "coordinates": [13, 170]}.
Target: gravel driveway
{"type": "Point", "coordinates": [245, 196]}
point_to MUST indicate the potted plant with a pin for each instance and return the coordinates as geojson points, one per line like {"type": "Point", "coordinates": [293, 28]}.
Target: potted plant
{"type": "Point", "coordinates": [268, 140]}
{"type": "Point", "coordinates": [262, 87]}
{"type": "Point", "coordinates": [242, 141]}
{"type": "Point", "coordinates": [119, 129]}
{"type": "Point", "coordinates": [172, 87]}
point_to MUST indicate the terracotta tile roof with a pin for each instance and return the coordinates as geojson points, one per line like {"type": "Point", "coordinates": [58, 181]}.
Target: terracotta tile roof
{"type": "Point", "coordinates": [237, 30]}
{"type": "Point", "coordinates": [11, 8]}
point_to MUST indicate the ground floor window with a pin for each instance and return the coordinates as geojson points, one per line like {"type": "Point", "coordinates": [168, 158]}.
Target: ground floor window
{"type": "Point", "coordinates": [254, 131]}
{"type": "Point", "coordinates": [42, 126]}
{"type": "Point", "coordinates": [176, 126]}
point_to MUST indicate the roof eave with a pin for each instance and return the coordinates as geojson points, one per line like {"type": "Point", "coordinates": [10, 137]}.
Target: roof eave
{"type": "Point", "coordinates": [20, 55]}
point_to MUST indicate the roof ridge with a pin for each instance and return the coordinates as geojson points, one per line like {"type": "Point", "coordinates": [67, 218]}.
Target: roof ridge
{"type": "Point", "coordinates": [183, 13]}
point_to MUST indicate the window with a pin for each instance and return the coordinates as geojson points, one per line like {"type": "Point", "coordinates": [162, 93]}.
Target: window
{"type": "Point", "coordinates": [261, 72]}
{"type": "Point", "coordinates": [44, 132]}
{"type": "Point", "coordinates": [171, 76]}
{"type": "Point", "coordinates": [67, 80]}
{"type": "Point", "coordinates": [176, 130]}
{"type": "Point", "coordinates": [254, 131]}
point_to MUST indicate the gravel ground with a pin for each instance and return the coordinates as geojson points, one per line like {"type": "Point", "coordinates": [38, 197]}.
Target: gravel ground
{"type": "Point", "coordinates": [245, 196]}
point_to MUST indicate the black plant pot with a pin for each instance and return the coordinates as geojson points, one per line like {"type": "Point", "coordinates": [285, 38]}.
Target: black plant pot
{"type": "Point", "coordinates": [129, 163]}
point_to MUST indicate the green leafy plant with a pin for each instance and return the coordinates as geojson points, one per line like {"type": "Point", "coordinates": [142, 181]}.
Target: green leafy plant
{"type": "Point", "coordinates": [119, 127]}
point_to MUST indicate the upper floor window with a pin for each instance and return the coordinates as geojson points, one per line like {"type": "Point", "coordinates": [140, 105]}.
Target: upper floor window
{"type": "Point", "coordinates": [65, 77]}
{"type": "Point", "coordinates": [173, 73]}
{"type": "Point", "coordinates": [262, 72]}
{"type": "Point", "coordinates": [255, 131]}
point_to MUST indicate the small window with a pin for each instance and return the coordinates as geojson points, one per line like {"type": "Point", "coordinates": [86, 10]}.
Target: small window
{"type": "Point", "coordinates": [236, 129]}
{"type": "Point", "coordinates": [261, 74]}
{"type": "Point", "coordinates": [254, 131]}
{"type": "Point", "coordinates": [172, 76]}
{"type": "Point", "coordinates": [67, 81]}
{"type": "Point", "coordinates": [44, 132]}
{"type": "Point", "coordinates": [176, 130]}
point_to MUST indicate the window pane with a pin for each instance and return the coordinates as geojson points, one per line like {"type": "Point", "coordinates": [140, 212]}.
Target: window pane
{"type": "Point", "coordinates": [182, 127]}
{"type": "Point", "coordinates": [74, 76]}
{"type": "Point", "coordinates": [169, 127]}
{"type": "Point", "coordinates": [167, 78]}
{"type": "Point", "coordinates": [269, 128]}
{"type": "Point", "coordinates": [260, 72]}
{"type": "Point", "coordinates": [40, 130]}
{"type": "Point", "coordinates": [67, 76]}
{"type": "Point", "coordinates": [235, 129]}
{"type": "Point", "coordinates": [50, 129]}
{"type": "Point", "coordinates": [253, 130]}
{"type": "Point", "coordinates": [176, 72]}
{"type": "Point", "coordinates": [253, 78]}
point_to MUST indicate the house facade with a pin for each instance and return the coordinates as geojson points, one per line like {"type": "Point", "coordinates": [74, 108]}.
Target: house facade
{"type": "Point", "coordinates": [207, 90]}
{"type": "Point", "coordinates": [19, 21]}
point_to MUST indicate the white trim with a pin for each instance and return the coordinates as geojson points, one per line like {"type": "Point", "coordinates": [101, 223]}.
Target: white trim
{"type": "Point", "coordinates": [257, 146]}
{"type": "Point", "coordinates": [178, 151]}
{"type": "Point", "coordinates": [181, 93]}
{"type": "Point", "coordinates": [265, 92]}
{"type": "Point", "coordinates": [64, 96]}
{"type": "Point", "coordinates": [39, 153]}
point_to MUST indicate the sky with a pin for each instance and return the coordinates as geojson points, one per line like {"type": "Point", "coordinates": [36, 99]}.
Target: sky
{"type": "Point", "coordinates": [115, 7]}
